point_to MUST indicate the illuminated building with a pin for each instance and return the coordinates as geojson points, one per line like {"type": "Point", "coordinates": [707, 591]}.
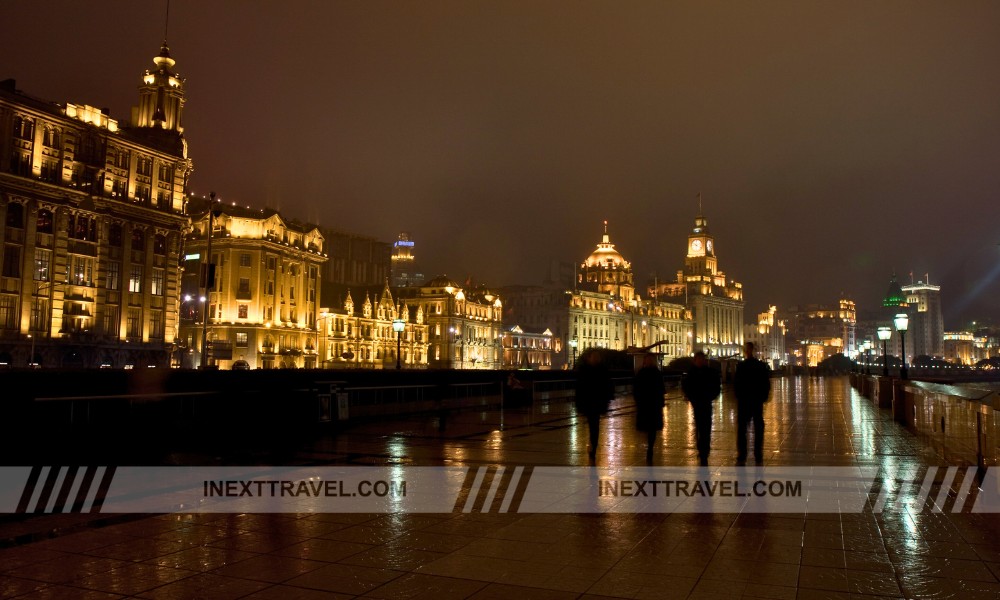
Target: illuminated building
{"type": "Point", "coordinates": [960, 348]}
{"type": "Point", "coordinates": [926, 328]}
{"type": "Point", "coordinates": [464, 325]}
{"type": "Point", "coordinates": [405, 271]}
{"type": "Point", "coordinates": [768, 336]}
{"type": "Point", "coordinates": [362, 336]}
{"type": "Point", "coordinates": [716, 303]}
{"type": "Point", "coordinates": [264, 305]}
{"type": "Point", "coordinates": [603, 311]}
{"type": "Point", "coordinates": [354, 260]}
{"type": "Point", "coordinates": [527, 348]}
{"type": "Point", "coordinates": [93, 214]}
{"type": "Point", "coordinates": [820, 331]}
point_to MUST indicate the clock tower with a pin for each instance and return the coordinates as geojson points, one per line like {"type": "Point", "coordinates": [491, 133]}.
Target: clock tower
{"type": "Point", "coordinates": [714, 301]}
{"type": "Point", "coordinates": [701, 249]}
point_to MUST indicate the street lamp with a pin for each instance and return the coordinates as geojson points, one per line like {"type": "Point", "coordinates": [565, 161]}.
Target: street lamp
{"type": "Point", "coordinates": [573, 344]}
{"type": "Point", "coordinates": [884, 333]}
{"type": "Point", "coordinates": [398, 325]}
{"type": "Point", "coordinates": [207, 281]}
{"type": "Point", "coordinates": [902, 321]}
{"type": "Point", "coordinates": [868, 354]}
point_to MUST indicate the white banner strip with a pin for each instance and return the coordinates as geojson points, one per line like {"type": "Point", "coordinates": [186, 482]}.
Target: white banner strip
{"type": "Point", "coordinates": [492, 488]}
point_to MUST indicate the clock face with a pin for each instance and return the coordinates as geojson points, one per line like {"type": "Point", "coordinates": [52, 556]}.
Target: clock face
{"type": "Point", "coordinates": [708, 245]}
{"type": "Point", "coordinates": [696, 245]}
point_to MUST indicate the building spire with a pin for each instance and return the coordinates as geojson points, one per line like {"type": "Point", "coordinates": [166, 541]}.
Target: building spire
{"type": "Point", "coordinates": [166, 24]}
{"type": "Point", "coordinates": [700, 213]}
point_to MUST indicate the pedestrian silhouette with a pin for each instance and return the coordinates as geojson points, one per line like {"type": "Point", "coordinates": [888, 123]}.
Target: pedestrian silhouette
{"type": "Point", "coordinates": [701, 386]}
{"type": "Point", "coordinates": [648, 390]}
{"type": "Point", "coordinates": [752, 385]}
{"type": "Point", "coordinates": [593, 394]}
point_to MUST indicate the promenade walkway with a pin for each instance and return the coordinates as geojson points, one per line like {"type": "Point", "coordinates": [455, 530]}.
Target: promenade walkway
{"type": "Point", "coordinates": [908, 550]}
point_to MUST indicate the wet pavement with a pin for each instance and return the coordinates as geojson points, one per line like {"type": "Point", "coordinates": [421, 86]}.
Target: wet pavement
{"type": "Point", "coordinates": [908, 550]}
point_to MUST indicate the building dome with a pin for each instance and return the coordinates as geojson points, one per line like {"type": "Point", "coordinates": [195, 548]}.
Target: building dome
{"type": "Point", "coordinates": [894, 297]}
{"type": "Point", "coordinates": [605, 256]}
{"type": "Point", "coordinates": [442, 281]}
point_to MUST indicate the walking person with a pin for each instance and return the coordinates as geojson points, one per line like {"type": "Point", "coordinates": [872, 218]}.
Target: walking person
{"type": "Point", "coordinates": [752, 385]}
{"type": "Point", "coordinates": [701, 386]}
{"type": "Point", "coordinates": [593, 394]}
{"type": "Point", "coordinates": [648, 390]}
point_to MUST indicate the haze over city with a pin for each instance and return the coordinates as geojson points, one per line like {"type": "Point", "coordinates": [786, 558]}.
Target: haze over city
{"type": "Point", "coordinates": [833, 143]}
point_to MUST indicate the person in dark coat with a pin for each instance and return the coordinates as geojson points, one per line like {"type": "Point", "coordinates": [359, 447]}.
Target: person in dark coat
{"type": "Point", "coordinates": [701, 386]}
{"type": "Point", "coordinates": [648, 390]}
{"type": "Point", "coordinates": [593, 394]}
{"type": "Point", "coordinates": [752, 385]}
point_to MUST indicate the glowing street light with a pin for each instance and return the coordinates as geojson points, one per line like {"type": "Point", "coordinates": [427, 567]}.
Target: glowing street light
{"type": "Point", "coordinates": [573, 344]}
{"type": "Point", "coordinates": [884, 333]}
{"type": "Point", "coordinates": [902, 321]}
{"type": "Point", "coordinates": [398, 325]}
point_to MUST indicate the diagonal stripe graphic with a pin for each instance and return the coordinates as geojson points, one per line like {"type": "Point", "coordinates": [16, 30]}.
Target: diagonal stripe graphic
{"type": "Point", "coordinates": [522, 485]}
{"type": "Point", "coordinates": [64, 490]}
{"type": "Point", "coordinates": [502, 490]}
{"type": "Point", "coordinates": [495, 485]}
{"type": "Point", "coordinates": [81, 494]}
{"type": "Point", "coordinates": [942, 497]}
{"type": "Point", "coordinates": [968, 478]}
{"type": "Point", "coordinates": [924, 495]}
{"type": "Point", "coordinates": [484, 489]}
{"type": "Point", "coordinates": [50, 482]}
{"type": "Point", "coordinates": [29, 489]}
{"type": "Point", "coordinates": [463, 494]}
{"type": "Point", "coordinates": [508, 491]}
{"type": "Point", "coordinates": [474, 490]}
{"type": "Point", "coordinates": [102, 491]}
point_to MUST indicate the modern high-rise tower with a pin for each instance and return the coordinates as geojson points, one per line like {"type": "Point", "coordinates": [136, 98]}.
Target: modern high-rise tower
{"type": "Point", "coordinates": [926, 329]}
{"type": "Point", "coordinates": [405, 271]}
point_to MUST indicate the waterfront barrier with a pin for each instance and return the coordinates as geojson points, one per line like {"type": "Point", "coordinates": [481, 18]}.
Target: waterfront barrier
{"type": "Point", "coordinates": [961, 422]}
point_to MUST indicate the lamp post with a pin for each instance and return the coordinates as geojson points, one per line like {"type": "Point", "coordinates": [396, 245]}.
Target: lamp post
{"type": "Point", "coordinates": [573, 344]}
{"type": "Point", "coordinates": [868, 357]}
{"type": "Point", "coordinates": [398, 325]}
{"type": "Point", "coordinates": [451, 350]}
{"type": "Point", "coordinates": [207, 281]}
{"type": "Point", "coordinates": [324, 348]}
{"type": "Point", "coordinates": [902, 321]}
{"type": "Point", "coordinates": [884, 333]}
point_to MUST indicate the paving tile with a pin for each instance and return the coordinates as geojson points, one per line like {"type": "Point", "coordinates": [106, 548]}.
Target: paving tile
{"type": "Point", "coordinates": [414, 586]}
{"type": "Point", "coordinates": [270, 568]}
{"type": "Point", "coordinates": [204, 586]}
{"type": "Point", "coordinates": [344, 579]}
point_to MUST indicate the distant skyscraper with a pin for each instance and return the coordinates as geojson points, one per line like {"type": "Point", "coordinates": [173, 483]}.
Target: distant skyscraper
{"type": "Point", "coordinates": [405, 271]}
{"type": "Point", "coordinates": [926, 327]}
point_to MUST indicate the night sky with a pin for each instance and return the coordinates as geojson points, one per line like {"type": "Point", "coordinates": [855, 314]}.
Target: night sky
{"type": "Point", "coordinates": [833, 142]}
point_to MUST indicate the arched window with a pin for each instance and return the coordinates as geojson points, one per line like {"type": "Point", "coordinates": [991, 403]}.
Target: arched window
{"type": "Point", "coordinates": [24, 128]}
{"type": "Point", "coordinates": [44, 222]}
{"type": "Point", "coordinates": [138, 240]}
{"type": "Point", "coordinates": [51, 138]}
